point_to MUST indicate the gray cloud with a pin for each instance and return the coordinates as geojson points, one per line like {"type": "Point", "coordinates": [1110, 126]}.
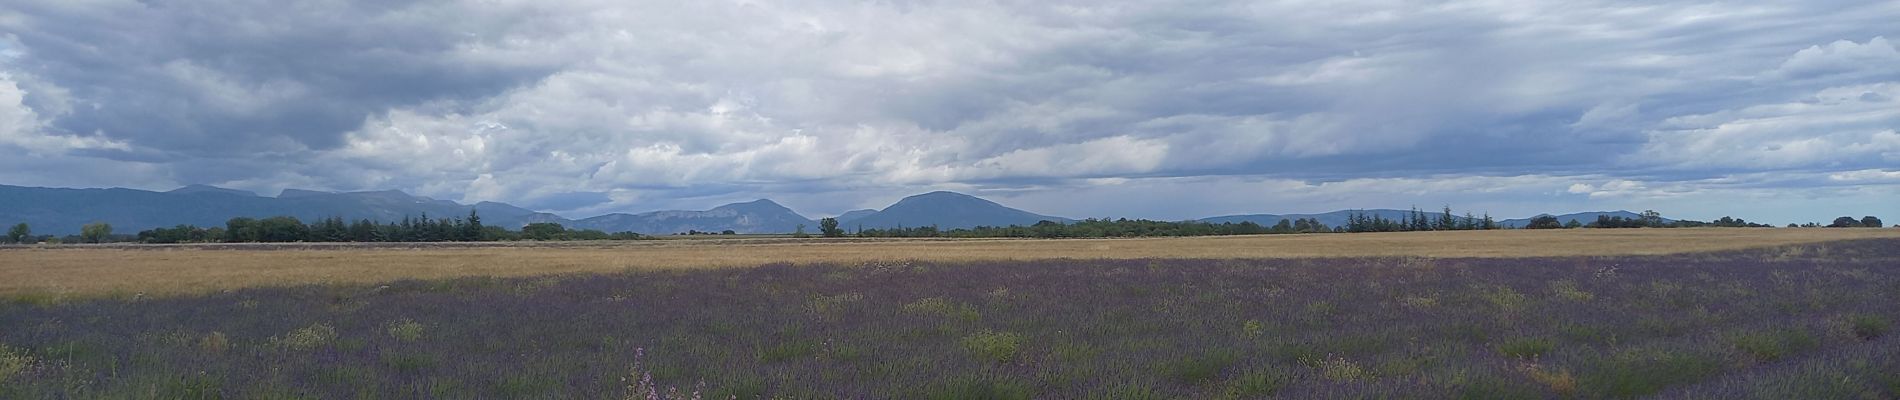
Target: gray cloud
{"type": "Point", "coordinates": [585, 107]}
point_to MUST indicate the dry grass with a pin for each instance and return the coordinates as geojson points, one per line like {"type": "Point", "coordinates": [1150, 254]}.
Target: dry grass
{"type": "Point", "coordinates": [57, 272]}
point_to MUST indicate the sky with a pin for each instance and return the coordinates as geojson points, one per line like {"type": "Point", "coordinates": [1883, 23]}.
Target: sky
{"type": "Point", "coordinates": [1774, 111]}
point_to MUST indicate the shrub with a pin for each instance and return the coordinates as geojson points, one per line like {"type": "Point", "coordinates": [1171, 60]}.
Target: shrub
{"type": "Point", "coordinates": [939, 306]}
{"type": "Point", "coordinates": [405, 330]}
{"type": "Point", "coordinates": [1568, 290]}
{"type": "Point", "coordinates": [993, 346]}
{"type": "Point", "coordinates": [832, 305]}
{"type": "Point", "coordinates": [308, 337]}
{"type": "Point", "coordinates": [1526, 348]}
{"type": "Point", "coordinates": [1256, 384]}
{"type": "Point", "coordinates": [788, 350]}
{"type": "Point", "coordinates": [12, 362]}
{"type": "Point", "coordinates": [1868, 327]}
{"type": "Point", "coordinates": [214, 343]}
{"type": "Point", "coordinates": [1559, 381]}
{"type": "Point", "coordinates": [977, 388]}
{"type": "Point", "coordinates": [1635, 374]}
{"type": "Point", "coordinates": [1199, 368]}
{"type": "Point", "coordinates": [1503, 297]}
{"type": "Point", "coordinates": [1418, 302]}
{"type": "Point", "coordinates": [1338, 369]}
{"type": "Point", "coordinates": [1252, 329]}
{"type": "Point", "coordinates": [1770, 346]}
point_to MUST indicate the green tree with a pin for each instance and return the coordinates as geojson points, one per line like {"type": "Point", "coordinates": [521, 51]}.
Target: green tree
{"type": "Point", "coordinates": [472, 230]}
{"type": "Point", "coordinates": [96, 232]}
{"type": "Point", "coordinates": [544, 231]}
{"type": "Point", "coordinates": [1573, 224]}
{"type": "Point", "coordinates": [1652, 219]}
{"type": "Point", "coordinates": [241, 230]}
{"type": "Point", "coordinates": [829, 227]}
{"type": "Point", "coordinates": [281, 229]}
{"type": "Point", "coordinates": [1845, 222]}
{"type": "Point", "coordinates": [1544, 222]}
{"type": "Point", "coordinates": [800, 233]}
{"type": "Point", "coordinates": [19, 233]}
{"type": "Point", "coordinates": [1285, 226]}
{"type": "Point", "coordinates": [1871, 222]}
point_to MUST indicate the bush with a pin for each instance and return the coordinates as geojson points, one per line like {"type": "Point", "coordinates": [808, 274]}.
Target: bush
{"type": "Point", "coordinates": [993, 346]}
{"type": "Point", "coordinates": [1868, 327]}
{"type": "Point", "coordinates": [308, 337]}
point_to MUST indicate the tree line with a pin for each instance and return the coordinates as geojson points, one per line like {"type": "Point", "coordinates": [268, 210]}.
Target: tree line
{"type": "Point", "coordinates": [286, 229]}
{"type": "Point", "coordinates": [282, 229]}
{"type": "Point", "coordinates": [1418, 221]}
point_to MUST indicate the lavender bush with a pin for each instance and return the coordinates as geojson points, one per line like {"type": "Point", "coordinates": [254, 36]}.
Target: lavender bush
{"type": "Point", "coordinates": [1813, 321]}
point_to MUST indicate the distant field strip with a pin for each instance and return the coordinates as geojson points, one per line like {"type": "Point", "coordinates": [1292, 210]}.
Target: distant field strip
{"type": "Point", "coordinates": [85, 271]}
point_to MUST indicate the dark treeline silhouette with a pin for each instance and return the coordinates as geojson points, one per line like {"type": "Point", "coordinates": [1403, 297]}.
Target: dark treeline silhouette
{"type": "Point", "coordinates": [336, 229]}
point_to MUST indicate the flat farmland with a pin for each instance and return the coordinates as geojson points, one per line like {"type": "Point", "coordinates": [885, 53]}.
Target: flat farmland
{"type": "Point", "coordinates": [1814, 320]}
{"type": "Point", "coordinates": [122, 270]}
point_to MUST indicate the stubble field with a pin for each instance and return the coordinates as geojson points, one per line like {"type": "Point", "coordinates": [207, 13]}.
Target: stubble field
{"type": "Point", "coordinates": [52, 273]}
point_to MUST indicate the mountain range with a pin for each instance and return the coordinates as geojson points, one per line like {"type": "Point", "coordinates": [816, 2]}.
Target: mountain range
{"type": "Point", "coordinates": [62, 211]}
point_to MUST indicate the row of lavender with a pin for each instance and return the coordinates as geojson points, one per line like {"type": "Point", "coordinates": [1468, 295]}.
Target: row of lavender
{"type": "Point", "coordinates": [1798, 322]}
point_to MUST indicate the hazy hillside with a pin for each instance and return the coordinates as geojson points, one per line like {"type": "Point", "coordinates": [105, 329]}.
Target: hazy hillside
{"type": "Point", "coordinates": [759, 216]}
{"type": "Point", "coordinates": [947, 210]}
{"type": "Point", "coordinates": [854, 215]}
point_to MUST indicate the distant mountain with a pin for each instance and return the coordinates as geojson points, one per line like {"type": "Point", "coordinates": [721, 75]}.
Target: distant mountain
{"type": "Point", "coordinates": [1333, 219]}
{"type": "Point", "coordinates": [1583, 217]}
{"type": "Point", "coordinates": [853, 215]}
{"type": "Point", "coordinates": [759, 216]}
{"type": "Point", "coordinates": [58, 211]}
{"type": "Point", "coordinates": [208, 189]}
{"type": "Point", "coordinates": [947, 210]}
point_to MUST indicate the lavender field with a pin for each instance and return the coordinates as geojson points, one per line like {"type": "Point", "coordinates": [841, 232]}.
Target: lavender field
{"type": "Point", "coordinates": [1813, 321]}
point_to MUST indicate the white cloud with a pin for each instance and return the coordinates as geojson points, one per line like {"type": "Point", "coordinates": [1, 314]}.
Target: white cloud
{"type": "Point", "coordinates": [1876, 56]}
{"type": "Point", "coordinates": [1837, 127]}
{"type": "Point", "coordinates": [22, 127]}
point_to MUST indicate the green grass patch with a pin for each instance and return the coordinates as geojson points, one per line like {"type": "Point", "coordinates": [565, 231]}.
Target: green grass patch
{"type": "Point", "coordinates": [1773, 345]}
{"type": "Point", "coordinates": [993, 346]}
{"type": "Point", "coordinates": [1256, 384]}
{"type": "Point", "coordinates": [1526, 348]}
{"type": "Point", "coordinates": [1197, 369]}
{"type": "Point", "coordinates": [1636, 373]}
{"type": "Point", "coordinates": [978, 388]}
{"type": "Point", "coordinates": [787, 350]}
{"type": "Point", "coordinates": [1868, 327]}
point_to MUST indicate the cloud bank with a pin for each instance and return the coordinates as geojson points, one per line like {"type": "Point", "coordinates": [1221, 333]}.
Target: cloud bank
{"type": "Point", "coordinates": [1073, 108]}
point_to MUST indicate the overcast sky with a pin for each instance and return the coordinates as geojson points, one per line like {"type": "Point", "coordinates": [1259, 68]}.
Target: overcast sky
{"type": "Point", "coordinates": [1779, 111]}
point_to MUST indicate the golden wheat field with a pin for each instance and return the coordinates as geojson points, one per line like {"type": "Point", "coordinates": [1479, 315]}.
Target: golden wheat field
{"type": "Point", "coordinates": [82, 271]}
